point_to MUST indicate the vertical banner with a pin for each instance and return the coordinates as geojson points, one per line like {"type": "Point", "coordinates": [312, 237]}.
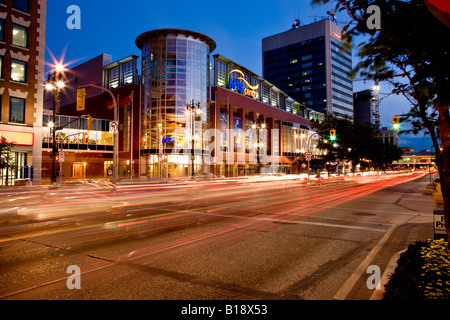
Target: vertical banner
{"type": "Point", "coordinates": [224, 129]}
{"type": "Point", "coordinates": [237, 127]}
{"type": "Point", "coordinates": [58, 102]}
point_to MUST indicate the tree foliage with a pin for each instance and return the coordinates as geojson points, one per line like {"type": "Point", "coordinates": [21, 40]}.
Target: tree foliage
{"type": "Point", "coordinates": [5, 156]}
{"type": "Point", "coordinates": [358, 142]}
{"type": "Point", "coordinates": [412, 52]}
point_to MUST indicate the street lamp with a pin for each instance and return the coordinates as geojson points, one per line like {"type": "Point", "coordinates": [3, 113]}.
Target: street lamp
{"type": "Point", "coordinates": [116, 132]}
{"type": "Point", "coordinates": [55, 84]}
{"type": "Point", "coordinates": [193, 111]}
{"type": "Point", "coordinates": [258, 144]}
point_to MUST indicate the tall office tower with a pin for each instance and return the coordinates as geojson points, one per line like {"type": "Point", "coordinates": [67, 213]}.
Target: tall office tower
{"type": "Point", "coordinates": [363, 102]}
{"type": "Point", "coordinates": [22, 61]}
{"type": "Point", "coordinates": [310, 64]}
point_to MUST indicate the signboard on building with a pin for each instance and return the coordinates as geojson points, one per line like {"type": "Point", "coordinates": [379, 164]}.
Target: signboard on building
{"type": "Point", "coordinates": [241, 85]}
{"type": "Point", "coordinates": [18, 138]}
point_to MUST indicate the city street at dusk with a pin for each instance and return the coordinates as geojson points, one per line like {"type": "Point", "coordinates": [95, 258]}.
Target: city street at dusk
{"type": "Point", "coordinates": [224, 239]}
{"type": "Point", "coordinates": [207, 159]}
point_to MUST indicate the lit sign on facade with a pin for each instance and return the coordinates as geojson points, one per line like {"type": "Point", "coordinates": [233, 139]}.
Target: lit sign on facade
{"type": "Point", "coordinates": [168, 140]}
{"type": "Point", "coordinates": [337, 36]}
{"type": "Point", "coordinates": [18, 138]}
{"type": "Point", "coordinates": [241, 85]}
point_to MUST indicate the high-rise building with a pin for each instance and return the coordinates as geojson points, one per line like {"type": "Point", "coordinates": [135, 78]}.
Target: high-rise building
{"type": "Point", "coordinates": [22, 61]}
{"type": "Point", "coordinates": [363, 103]}
{"type": "Point", "coordinates": [310, 64]}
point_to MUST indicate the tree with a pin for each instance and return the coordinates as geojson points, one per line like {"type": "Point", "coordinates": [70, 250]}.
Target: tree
{"type": "Point", "coordinates": [357, 141]}
{"type": "Point", "coordinates": [5, 156]}
{"type": "Point", "coordinates": [411, 50]}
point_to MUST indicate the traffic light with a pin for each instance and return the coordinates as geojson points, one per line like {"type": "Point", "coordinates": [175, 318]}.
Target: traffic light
{"type": "Point", "coordinates": [333, 135]}
{"type": "Point", "coordinates": [86, 137]}
{"type": "Point", "coordinates": [89, 123]}
{"type": "Point", "coordinates": [396, 123]}
{"type": "Point", "coordinates": [81, 99]}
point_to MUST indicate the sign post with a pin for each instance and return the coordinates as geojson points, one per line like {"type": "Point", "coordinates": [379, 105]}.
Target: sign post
{"type": "Point", "coordinates": [61, 160]}
{"type": "Point", "coordinates": [308, 156]}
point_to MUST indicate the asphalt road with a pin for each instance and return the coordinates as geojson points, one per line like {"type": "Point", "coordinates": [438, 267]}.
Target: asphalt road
{"type": "Point", "coordinates": [209, 240]}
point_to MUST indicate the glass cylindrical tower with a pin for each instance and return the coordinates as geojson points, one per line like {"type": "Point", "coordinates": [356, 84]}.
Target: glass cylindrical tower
{"type": "Point", "coordinates": [175, 71]}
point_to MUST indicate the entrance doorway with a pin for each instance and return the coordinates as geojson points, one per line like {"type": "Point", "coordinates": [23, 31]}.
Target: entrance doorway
{"type": "Point", "coordinates": [79, 170]}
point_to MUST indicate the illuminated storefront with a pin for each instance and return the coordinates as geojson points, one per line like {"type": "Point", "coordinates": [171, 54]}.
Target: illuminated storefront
{"type": "Point", "coordinates": [262, 121]}
{"type": "Point", "coordinates": [87, 153]}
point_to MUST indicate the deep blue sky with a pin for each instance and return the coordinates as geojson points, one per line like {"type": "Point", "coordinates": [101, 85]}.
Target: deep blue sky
{"type": "Point", "coordinates": [237, 27]}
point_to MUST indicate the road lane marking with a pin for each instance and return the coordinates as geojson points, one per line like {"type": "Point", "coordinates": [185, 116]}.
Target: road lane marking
{"type": "Point", "coordinates": [321, 224]}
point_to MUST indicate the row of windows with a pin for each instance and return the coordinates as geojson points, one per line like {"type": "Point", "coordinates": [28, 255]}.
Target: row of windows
{"type": "Point", "coordinates": [338, 60]}
{"type": "Point", "coordinates": [16, 110]}
{"type": "Point", "coordinates": [284, 63]}
{"type": "Point", "coordinates": [294, 47]}
{"type": "Point", "coordinates": [22, 5]}
{"type": "Point", "coordinates": [293, 55]}
{"type": "Point", "coordinates": [341, 87]}
{"type": "Point", "coordinates": [343, 81]}
{"type": "Point", "coordinates": [342, 105]}
{"type": "Point", "coordinates": [338, 47]}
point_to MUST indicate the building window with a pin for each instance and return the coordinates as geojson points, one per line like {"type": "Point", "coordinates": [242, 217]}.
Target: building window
{"type": "Point", "coordinates": [114, 77]}
{"type": "Point", "coordinates": [18, 70]}
{"type": "Point", "coordinates": [1, 67]}
{"type": "Point", "coordinates": [2, 29]}
{"type": "Point", "coordinates": [20, 36]}
{"type": "Point", "coordinates": [21, 5]}
{"type": "Point", "coordinates": [17, 110]}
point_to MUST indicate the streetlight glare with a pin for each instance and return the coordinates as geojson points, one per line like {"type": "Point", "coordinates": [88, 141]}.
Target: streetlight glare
{"type": "Point", "coordinates": [51, 124]}
{"type": "Point", "coordinates": [49, 87]}
{"type": "Point", "coordinates": [59, 68]}
{"type": "Point", "coordinates": [60, 84]}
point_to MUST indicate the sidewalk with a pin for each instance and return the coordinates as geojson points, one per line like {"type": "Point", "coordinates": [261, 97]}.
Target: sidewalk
{"type": "Point", "coordinates": [399, 240]}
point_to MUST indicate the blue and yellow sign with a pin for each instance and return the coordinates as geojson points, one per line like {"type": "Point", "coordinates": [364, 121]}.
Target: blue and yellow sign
{"type": "Point", "coordinates": [241, 85]}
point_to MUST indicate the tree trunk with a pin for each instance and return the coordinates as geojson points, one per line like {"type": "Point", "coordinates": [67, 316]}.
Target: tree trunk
{"type": "Point", "coordinates": [444, 163]}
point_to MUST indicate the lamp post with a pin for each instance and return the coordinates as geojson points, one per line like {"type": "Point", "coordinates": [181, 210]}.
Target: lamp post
{"type": "Point", "coordinates": [258, 144]}
{"type": "Point", "coordinates": [309, 146]}
{"type": "Point", "coordinates": [116, 133]}
{"type": "Point", "coordinates": [193, 110]}
{"type": "Point", "coordinates": [55, 84]}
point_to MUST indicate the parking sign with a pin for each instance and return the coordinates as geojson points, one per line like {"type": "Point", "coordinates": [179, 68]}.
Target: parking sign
{"type": "Point", "coordinates": [113, 126]}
